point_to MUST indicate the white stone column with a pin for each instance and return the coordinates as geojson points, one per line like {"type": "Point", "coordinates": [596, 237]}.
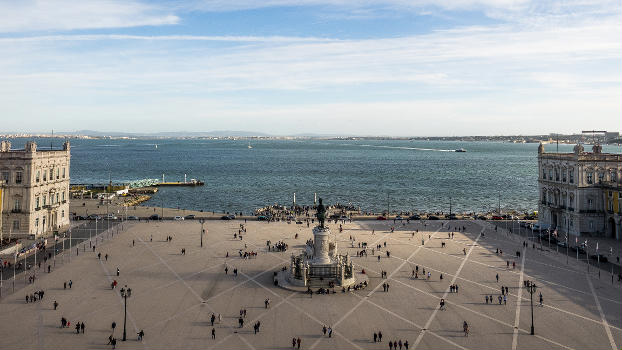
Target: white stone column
{"type": "Point", "coordinates": [320, 245]}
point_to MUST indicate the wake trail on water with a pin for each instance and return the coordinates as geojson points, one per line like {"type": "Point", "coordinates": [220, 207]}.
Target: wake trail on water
{"type": "Point", "coordinates": [411, 148]}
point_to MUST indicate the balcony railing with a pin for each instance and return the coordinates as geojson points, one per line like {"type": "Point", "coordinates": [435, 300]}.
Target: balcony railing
{"type": "Point", "coordinates": [16, 211]}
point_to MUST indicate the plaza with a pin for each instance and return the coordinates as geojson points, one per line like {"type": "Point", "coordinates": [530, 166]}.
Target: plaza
{"type": "Point", "coordinates": [174, 294]}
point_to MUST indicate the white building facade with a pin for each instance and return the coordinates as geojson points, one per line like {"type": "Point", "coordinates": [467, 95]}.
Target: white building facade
{"type": "Point", "coordinates": [577, 191]}
{"type": "Point", "coordinates": [35, 190]}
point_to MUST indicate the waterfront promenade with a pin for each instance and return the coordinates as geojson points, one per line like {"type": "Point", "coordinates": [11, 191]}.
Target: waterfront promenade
{"type": "Point", "coordinates": [174, 295]}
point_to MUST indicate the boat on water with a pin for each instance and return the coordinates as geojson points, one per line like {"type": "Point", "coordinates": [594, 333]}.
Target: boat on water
{"type": "Point", "coordinates": [249, 145]}
{"type": "Point", "coordinates": [461, 150]}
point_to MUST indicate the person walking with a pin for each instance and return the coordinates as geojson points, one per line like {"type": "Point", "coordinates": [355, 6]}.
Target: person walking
{"type": "Point", "coordinates": [55, 305]}
{"type": "Point", "coordinates": [497, 276]}
{"type": "Point", "coordinates": [118, 271]}
{"type": "Point", "coordinates": [106, 257]}
{"type": "Point", "coordinates": [505, 300]}
{"type": "Point", "coordinates": [298, 342]}
{"type": "Point", "coordinates": [212, 319]}
{"type": "Point", "coordinates": [82, 327]}
{"type": "Point", "coordinates": [375, 337]}
{"type": "Point", "coordinates": [390, 345]}
{"type": "Point", "coordinates": [141, 334]}
{"type": "Point", "coordinates": [330, 332]}
{"type": "Point", "coordinates": [70, 284]}
{"type": "Point", "coordinates": [213, 333]}
{"type": "Point", "coordinates": [379, 336]}
{"type": "Point", "coordinates": [324, 331]}
{"type": "Point", "coordinates": [465, 328]}
{"type": "Point", "coordinates": [78, 328]}
{"type": "Point", "coordinates": [541, 299]}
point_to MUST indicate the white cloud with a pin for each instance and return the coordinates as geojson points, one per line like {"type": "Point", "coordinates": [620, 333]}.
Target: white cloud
{"type": "Point", "coordinates": [525, 76]}
{"type": "Point", "coordinates": [45, 15]}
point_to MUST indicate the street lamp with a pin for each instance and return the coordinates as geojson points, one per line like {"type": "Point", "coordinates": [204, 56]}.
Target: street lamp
{"type": "Point", "coordinates": [531, 288]}
{"type": "Point", "coordinates": [202, 231]}
{"type": "Point", "coordinates": [125, 293]}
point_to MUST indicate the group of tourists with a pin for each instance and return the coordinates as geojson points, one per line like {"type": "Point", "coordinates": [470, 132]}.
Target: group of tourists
{"type": "Point", "coordinates": [31, 298]}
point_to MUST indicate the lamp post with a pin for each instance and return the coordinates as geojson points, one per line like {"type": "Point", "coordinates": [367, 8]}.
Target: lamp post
{"type": "Point", "coordinates": [202, 231]}
{"type": "Point", "coordinates": [125, 293]}
{"type": "Point", "coordinates": [531, 288]}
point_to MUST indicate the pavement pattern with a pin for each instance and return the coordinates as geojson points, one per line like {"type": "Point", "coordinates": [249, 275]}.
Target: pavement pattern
{"type": "Point", "coordinates": [174, 295]}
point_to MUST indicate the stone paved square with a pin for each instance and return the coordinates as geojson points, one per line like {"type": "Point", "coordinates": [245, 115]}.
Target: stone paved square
{"type": "Point", "coordinates": [174, 295]}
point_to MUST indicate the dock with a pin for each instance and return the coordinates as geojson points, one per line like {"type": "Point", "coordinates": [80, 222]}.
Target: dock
{"type": "Point", "coordinates": [191, 183]}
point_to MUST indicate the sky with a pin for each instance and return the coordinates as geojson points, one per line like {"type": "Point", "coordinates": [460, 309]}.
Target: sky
{"type": "Point", "coordinates": [284, 67]}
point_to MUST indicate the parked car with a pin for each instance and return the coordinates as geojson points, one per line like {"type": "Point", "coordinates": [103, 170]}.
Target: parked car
{"type": "Point", "coordinates": [154, 217]}
{"type": "Point", "coordinates": [451, 216]}
{"type": "Point", "coordinates": [562, 244]}
{"type": "Point", "coordinates": [132, 217]}
{"type": "Point", "coordinates": [482, 217]}
{"type": "Point", "coordinates": [179, 218]}
{"type": "Point", "coordinates": [399, 217]}
{"type": "Point", "coordinates": [381, 218]}
{"type": "Point", "coordinates": [433, 217]}
{"type": "Point", "coordinates": [94, 217]}
{"type": "Point", "coordinates": [190, 217]}
{"type": "Point", "coordinates": [414, 217]}
{"type": "Point", "coordinates": [110, 217]}
{"type": "Point", "coordinates": [80, 217]}
{"type": "Point", "coordinates": [227, 217]}
{"type": "Point", "coordinates": [603, 258]}
{"type": "Point", "coordinates": [497, 217]}
{"type": "Point", "coordinates": [262, 218]}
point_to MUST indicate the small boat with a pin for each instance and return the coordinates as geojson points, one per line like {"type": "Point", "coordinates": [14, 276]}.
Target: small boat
{"type": "Point", "coordinates": [461, 150]}
{"type": "Point", "coordinates": [249, 145]}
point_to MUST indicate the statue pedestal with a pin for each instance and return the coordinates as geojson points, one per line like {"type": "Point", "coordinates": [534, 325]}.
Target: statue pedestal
{"type": "Point", "coordinates": [320, 245]}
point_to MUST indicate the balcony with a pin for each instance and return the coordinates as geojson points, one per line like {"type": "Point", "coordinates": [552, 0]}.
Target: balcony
{"type": "Point", "coordinates": [16, 211]}
{"type": "Point", "coordinates": [37, 208]}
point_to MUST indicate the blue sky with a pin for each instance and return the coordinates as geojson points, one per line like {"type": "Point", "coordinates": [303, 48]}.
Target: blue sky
{"type": "Point", "coordinates": [389, 67]}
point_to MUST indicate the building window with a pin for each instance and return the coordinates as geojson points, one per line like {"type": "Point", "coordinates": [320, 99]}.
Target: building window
{"type": "Point", "coordinates": [564, 175]}
{"type": "Point", "coordinates": [556, 174]}
{"type": "Point", "coordinates": [37, 202]}
{"type": "Point", "coordinates": [590, 202]}
{"type": "Point", "coordinates": [37, 222]}
{"type": "Point", "coordinates": [57, 173]}
{"type": "Point", "coordinates": [57, 198]}
{"type": "Point", "coordinates": [63, 196]}
{"type": "Point", "coordinates": [16, 205]}
{"type": "Point", "coordinates": [44, 200]}
{"type": "Point", "coordinates": [590, 177]}
{"type": "Point", "coordinates": [62, 214]}
{"type": "Point", "coordinates": [550, 174]}
{"type": "Point", "coordinates": [591, 225]}
{"type": "Point", "coordinates": [544, 173]}
{"type": "Point", "coordinates": [571, 202]}
{"type": "Point", "coordinates": [571, 176]}
{"type": "Point", "coordinates": [613, 176]}
{"type": "Point", "coordinates": [45, 175]}
{"type": "Point", "coordinates": [601, 177]}
{"type": "Point", "coordinates": [18, 177]}
{"type": "Point", "coordinates": [571, 222]}
{"type": "Point", "coordinates": [64, 172]}
{"type": "Point", "coordinates": [6, 176]}
{"type": "Point", "coordinates": [15, 225]}
{"type": "Point", "coordinates": [51, 174]}
{"type": "Point", "coordinates": [38, 177]}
